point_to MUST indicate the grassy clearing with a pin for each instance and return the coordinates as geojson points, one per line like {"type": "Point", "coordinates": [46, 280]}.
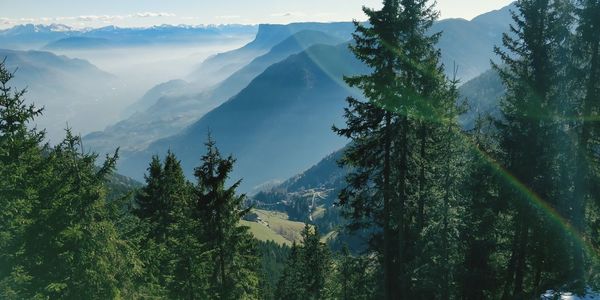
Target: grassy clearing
{"type": "Point", "coordinates": [280, 229]}
{"type": "Point", "coordinates": [264, 233]}
{"type": "Point", "coordinates": [319, 212]}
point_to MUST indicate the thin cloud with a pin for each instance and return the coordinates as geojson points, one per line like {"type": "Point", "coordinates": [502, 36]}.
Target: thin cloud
{"type": "Point", "coordinates": [87, 18]}
{"type": "Point", "coordinates": [94, 18]}
{"type": "Point", "coordinates": [5, 21]}
{"type": "Point", "coordinates": [229, 17]}
{"type": "Point", "coordinates": [288, 14]}
{"type": "Point", "coordinates": [154, 14]}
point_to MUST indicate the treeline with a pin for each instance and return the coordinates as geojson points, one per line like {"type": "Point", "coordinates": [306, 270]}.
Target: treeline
{"type": "Point", "coordinates": [505, 210]}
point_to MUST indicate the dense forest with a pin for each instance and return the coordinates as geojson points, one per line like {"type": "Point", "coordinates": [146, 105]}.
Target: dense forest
{"type": "Point", "coordinates": [506, 209]}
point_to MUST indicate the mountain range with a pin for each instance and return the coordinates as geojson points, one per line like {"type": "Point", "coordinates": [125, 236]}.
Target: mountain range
{"type": "Point", "coordinates": [270, 103]}
{"type": "Point", "coordinates": [217, 68]}
{"type": "Point", "coordinates": [264, 130]}
{"type": "Point", "coordinates": [280, 122]}
{"type": "Point", "coordinates": [58, 36]}
{"type": "Point", "coordinates": [168, 108]}
{"type": "Point", "coordinates": [49, 80]}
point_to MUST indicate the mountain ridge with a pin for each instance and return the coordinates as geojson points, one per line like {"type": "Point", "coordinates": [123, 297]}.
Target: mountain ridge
{"type": "Point", "coordinates": [309, 81]}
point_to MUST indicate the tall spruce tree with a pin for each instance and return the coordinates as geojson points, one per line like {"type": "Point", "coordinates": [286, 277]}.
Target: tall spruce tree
{"type": "Point", "coordinates": [147, 198]}
{"type": "Point", "coordinates": [440, 217]}
{"type": "Point", "coordinates": [394, 135]}
{"type": "Point", "coordinates": [587, 65]}
{"type": "Point", "coordinates": [233, 256]}
{"type": "Point", "coordinates": [483, 217]}
{"type": "Point", "coordinates": [20, 163]}
{"type": "Point", "coordinates": [531, 129]}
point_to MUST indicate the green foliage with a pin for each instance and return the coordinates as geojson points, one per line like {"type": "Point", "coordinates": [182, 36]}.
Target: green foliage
{"type": "Point", "coordinates": [586, 60]}
{"type": "Point", "coordinates": [403, 150]}
{"type": "Point", "coordinates": [353, 277]}
{"type": "Point", "coordinates": [58, 239]}
{"type": "Point", "coordinates": [232, 253]}
{"type": "Point", "coordinates": [171, 252]}
{"type": "Point", "coordinates": [273, 260]}
{"type": "Point", "coordinates": [72, 247]}
{"type": "Point", "coordinates": [543, 141]}
{"type": "Point", "coordinates": [505, 210]}
{"type": "Point", "coordinates": [20, 162]}
{"type": "Point", "coordinates": [307, 269]}
{"type": "Point", "coordinates": [483, 231]}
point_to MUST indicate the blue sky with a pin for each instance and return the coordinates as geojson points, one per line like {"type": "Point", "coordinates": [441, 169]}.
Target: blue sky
{"type": "Point", "coordinates": [131, 13]}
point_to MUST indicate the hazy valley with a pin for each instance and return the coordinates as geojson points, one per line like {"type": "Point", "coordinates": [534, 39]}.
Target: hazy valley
{"type": "Point", "coordinates": [399, 157]}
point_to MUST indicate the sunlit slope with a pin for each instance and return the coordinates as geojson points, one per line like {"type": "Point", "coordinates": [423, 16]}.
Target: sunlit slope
{"type": "Point", "coordinates": [274, 226]}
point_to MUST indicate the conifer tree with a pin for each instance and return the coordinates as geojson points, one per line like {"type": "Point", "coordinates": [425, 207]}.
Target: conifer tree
{"type": "Point", "coordinates": [316, 263]}
{"type": "Point", "coordinates": [533, 115]}
{"type": "Point", "coordinates": [164, 206]}
{"type": "Point", "coordinates": [189, 267]}
{"type": "Point", "coordinates": [353, 277]}
{"type": "Point", "coordinates": [72, 248]}
{"type": "Point", "coordinates": [20, 162]}
{"type": "Point", "coordinates": [307, 270]}
{"type": "Point", "coordinates": [587, 65]}
{"type": "Point", "coordinates": [290, 284]}
{"type": "Point", "coordinates": [395, 134]}
{"type": "Point", "coordinates": [146, 200]}
{"type": "Point", "coordinates": [233, 256]}
{"type": "Point", "coordinates": [482, 223]}
{"type": "Point", "coordinates": [273, 258]}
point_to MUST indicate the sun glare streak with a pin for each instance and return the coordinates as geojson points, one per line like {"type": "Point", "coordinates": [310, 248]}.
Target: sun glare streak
{"type": "Point", "coordinates": [533, 199]}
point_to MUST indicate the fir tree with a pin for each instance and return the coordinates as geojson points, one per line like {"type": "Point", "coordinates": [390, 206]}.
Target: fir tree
{"type": "Point", "coordinates": [164, 206]}
{"type": "Point", "coordinates": [353, 277]}
{"type": "Point", "coordinates": [232, 251]}
{"type": "Point", "coordinates": [307, 270]}
{"type": "Point", "coordinates": [290, 285]}
{"type": "Point", "coordinates": [482, 221]}
{"type": "Point", "coordinates": [73, 249]}
{"type": "Point", "coordinates": [587, 66]}
{"type": "Point", "coordinates": [316, 263]}
{"type": "Point", "coordinates": [146, 200]}
{"type": "Point", "coordinates": [533, 111]}
{"type": "Point", "coordinates": [273, 259]}
{"type": "Point", "coordinates": [20, 163]}
{"type": "Point", "coordinates": [395, 135]}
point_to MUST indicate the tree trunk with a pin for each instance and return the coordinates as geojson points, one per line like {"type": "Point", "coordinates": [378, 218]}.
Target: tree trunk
{"type": "Point", "coordinates": [389, 277]}
{"type": "Point", "coordinates": [401, 207]}
{"type": "Point", "coordinates": [445, 243]}
{"type": "Point", "coordinates": [518, 292]}
{"type": "Point", "coordinates": [582, 187]}
{"type": "Point", "coordinates": [421, 201]}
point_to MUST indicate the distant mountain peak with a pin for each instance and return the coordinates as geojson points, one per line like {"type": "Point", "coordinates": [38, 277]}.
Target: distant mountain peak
{"type": "Point", "coordinates": [36, 28]}
{"type": "Point", "coordinates": [60, 28]}
{"type": "Point", "coordinates": [495, 15]}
